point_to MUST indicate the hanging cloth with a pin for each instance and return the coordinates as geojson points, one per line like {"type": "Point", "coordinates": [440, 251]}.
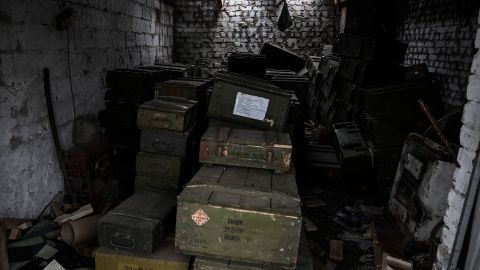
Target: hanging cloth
{"type": "Point", "coordinates": [285, 20]}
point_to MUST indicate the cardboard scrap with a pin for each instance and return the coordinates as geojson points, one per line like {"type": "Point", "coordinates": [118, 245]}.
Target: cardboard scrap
{"type": "Point", "coordinates": [54, 265]}
{"type": "Point", "coordinates": [81, 212]}
{"type": "Point", "coordinates": [15, 234]}
{"type": "Point", "coordinates": [46, 252]}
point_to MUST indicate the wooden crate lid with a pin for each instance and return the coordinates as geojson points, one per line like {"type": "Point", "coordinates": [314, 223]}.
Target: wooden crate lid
{"type": "Point", "coordinates": [244, 188]}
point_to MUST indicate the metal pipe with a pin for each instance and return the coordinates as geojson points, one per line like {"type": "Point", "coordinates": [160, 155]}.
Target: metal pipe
{"type": "Point", "coordinates": [434, 123]}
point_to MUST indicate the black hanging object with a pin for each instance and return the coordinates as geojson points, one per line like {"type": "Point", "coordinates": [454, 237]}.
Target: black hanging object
{"type": "Point", "coordinates": [285, 20]}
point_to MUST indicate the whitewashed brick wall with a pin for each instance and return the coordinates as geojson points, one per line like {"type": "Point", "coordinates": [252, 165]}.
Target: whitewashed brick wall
{"type": "Point", "coordinates": [105, 34]}
{"type": "Point", "coordinates": [441, 34]}
{"type": "Point", "coordinates": [470, 141]}
{"type": "Point", "coordinates": [205, 34]}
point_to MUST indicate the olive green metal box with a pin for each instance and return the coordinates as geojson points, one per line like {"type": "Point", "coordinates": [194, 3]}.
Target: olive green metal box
{"type": "Point", "coordinates": [167, 113]}
{"type": "Point", "coordinates": [159, 171]}
{"type": "Point", "coordinates": [138, 224]}
{"type": "Point", "coordinates": [249, 101]}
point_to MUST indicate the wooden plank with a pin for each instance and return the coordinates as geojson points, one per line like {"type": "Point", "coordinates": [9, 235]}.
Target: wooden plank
{"type": "Point", "coordinates": [81, 212]}
{"type": "Point", "coordinates": [314, 203]}
{"type": "Point", "coordinates": [260, 180]}
{"type": "Point", "coordinates": [336, 250]}
{"type": "Point", "coordinates": [24, 225]}
{"type": "Point", "coordinates": [10, 223]}
{"type": "Point", "coordinates": [3, 251]}
{"type": "Point", "coordinates": [234, 177]}
{"type": "Point", "coordinates": [398, 263]}
{"type": "Point", "coordinates": [15, 234]}
{"type": "Point", "coordinates": [343, 19]}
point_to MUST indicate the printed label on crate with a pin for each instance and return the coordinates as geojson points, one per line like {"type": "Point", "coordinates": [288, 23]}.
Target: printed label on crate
{"type": "Point", "coordinates": [200, 217]}
{"type": "Point", "coordinates": [127, 266]}
{"type": "Point", "coordinates": [251, 106]}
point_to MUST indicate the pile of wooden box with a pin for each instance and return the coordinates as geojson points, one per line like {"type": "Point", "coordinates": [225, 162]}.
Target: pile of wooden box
{"type": "Point", "coordinates": [167, 124]}
{"type": "Point", "coordinates": [364, 83]}
{"type": "Point", "coordinates": [242, 208]}
{"type": "Point", "coordinates": [126, 90]}
{"type": "Point", "coordinates": [135, 233]}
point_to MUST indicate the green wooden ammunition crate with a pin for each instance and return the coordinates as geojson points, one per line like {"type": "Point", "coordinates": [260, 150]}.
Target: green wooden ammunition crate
{"type": "Point", "coordinates": [164, 258]}
{"type": "Point", "coordinates": [167, 113]}
{"type": "Point", "coordinates": [149, 164]}
{"type": "Point", "coordinates": [202, 263]}
{"type": "Point", "coordinates": [305, 261]}
{"type": "Point", "coordinates": [249, 101]}
{"type": "Point", "coordinates": [189, 88]}
{"type": "Point", "coordinates": [246, 148]}
{"type": "Point", "coordinates": [165, 142]}
{"type": "Point", "coordinates": [158, 183]}
{"type": "Point", "coordinates": [395, 100]}
{"type": "Point", "coordinates": [138, 224]}
{"type": "Point", "coordinates": [241, 214]}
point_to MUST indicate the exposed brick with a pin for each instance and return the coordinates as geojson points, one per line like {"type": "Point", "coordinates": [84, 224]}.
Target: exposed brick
{"type": "Point", "coordinates": [448, 237]}
{"type": "Point", "coordinates": [441, 37]}
{"type": "Point", "coordinates": [206, 35]}
{"type": "Point", "coordinates": [101, 38]}
{"type": "Point", "coordinates": [475, 69]}
{"type": "Point", "coordinates": [443, 254]}
{"type": "Point", "coordinates": [471, 117]}
{"type": "Point", "coordinates": [451, 219]}
{"type": "Point", "coordinates": [469, 139]}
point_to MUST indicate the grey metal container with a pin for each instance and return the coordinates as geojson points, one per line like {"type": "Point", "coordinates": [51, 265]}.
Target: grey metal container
{"type": "Point", "coordinates": [138, 224]}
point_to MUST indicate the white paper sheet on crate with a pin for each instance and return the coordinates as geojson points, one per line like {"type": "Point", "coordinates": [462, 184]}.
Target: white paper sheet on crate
{"type": "Point", "coordinates": [251, 106]}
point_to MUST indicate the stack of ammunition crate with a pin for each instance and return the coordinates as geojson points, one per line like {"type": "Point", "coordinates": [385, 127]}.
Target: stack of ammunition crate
{"type": "Point", "coordinates": [167, 124]}
{"type": "Point", "coordinates": [380, 98]}
{"type": "Point", "coordinates": [321, 97]}
{"type": "Point", "coordinates": [297, 86]}
{"type": "Point", "coordinates": [170, 124]}
{"type": "Point", "coordinates": [242, 208]}
{"type": "Point", "coordinates": [135, 234]}
{"type": "Point", "coordinates": [127, 90]}
{"type": "Point", "coordinates": [248, 64]}
{"type": "Point", "coordinates": [196, 89]}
